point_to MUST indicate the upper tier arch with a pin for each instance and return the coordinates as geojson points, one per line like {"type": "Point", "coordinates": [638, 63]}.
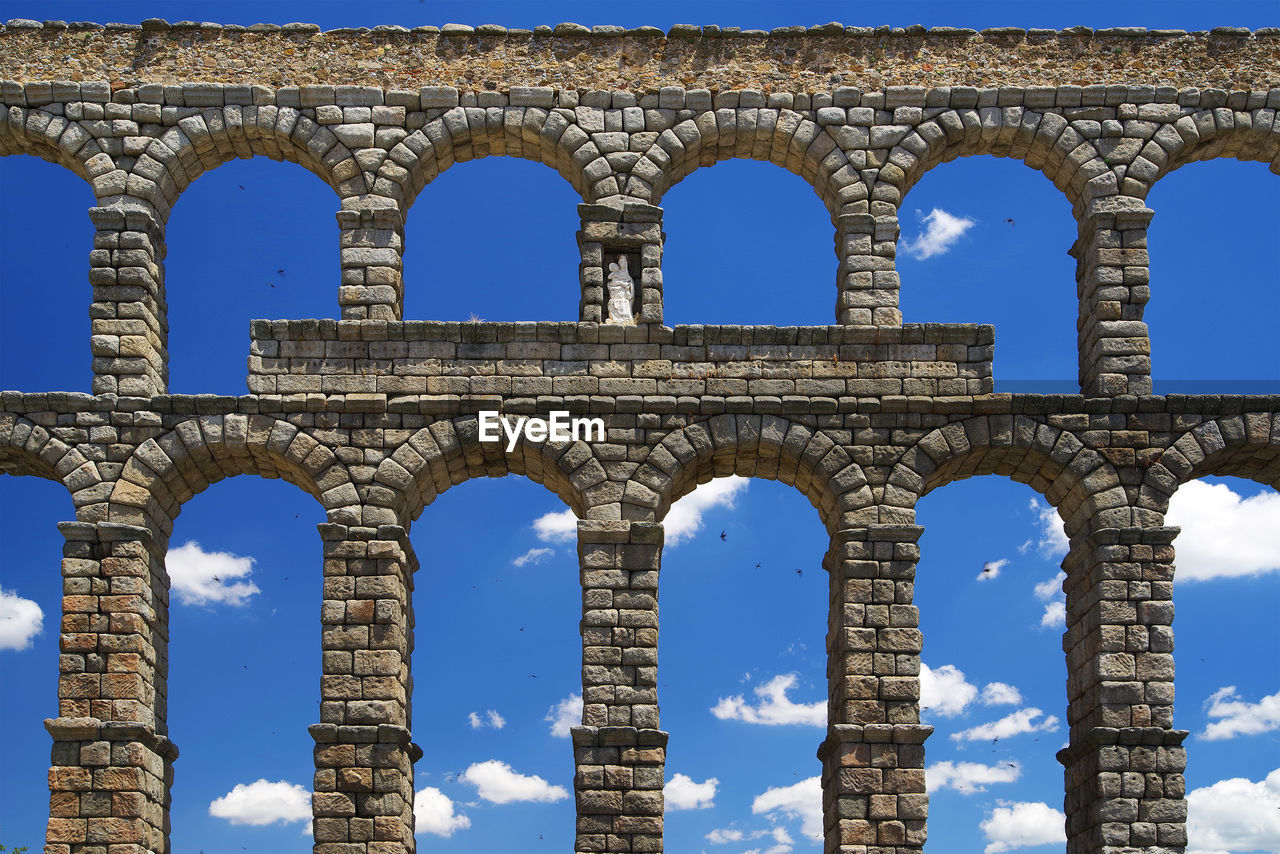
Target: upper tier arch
{"type": "Point", "coordinates": [164, 473]}
{"type": "Point", "coordinates": [56, 139]}
{"type": "Point", "coordinates": [1045, 142]}
{"type": "Point", "coordinates": [470, 133]}
{"type": "Point", "coordinates": [781, 136]}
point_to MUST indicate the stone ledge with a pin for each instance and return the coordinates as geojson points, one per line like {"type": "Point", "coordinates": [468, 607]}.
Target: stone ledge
{"type": "Point", "coordinates": [712, 58]}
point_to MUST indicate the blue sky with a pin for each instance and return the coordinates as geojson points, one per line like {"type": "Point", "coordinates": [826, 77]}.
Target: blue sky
{"type": "Point", "coordinates": [497, 609]}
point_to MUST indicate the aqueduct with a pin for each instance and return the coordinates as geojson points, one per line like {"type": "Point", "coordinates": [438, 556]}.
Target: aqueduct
{"type": "Point", "coordinates": [375, 415]}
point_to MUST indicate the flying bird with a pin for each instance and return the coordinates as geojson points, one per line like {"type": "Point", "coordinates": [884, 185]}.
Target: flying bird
{"type": "Point", "coordinates": [1011, 222]}
{"type": "Point", "coordinates": [800, 573]}
{"type": "Point", "coordinates": [722, 538]}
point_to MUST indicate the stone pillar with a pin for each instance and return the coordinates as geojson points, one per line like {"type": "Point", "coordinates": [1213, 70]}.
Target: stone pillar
{"type": "Point", "coordinates": [619, 752]}
{"type": "Point", "coordinates": [1125, 790]}
{"type": "Point", "coordinates": [112, 764]}
{"type": "Point", "coordinates": [372, 251]}
{"type": "Point", "coordinates": [868, 282]}
{"type": "Point", "coordinates": [631, 228]}
{"type": "Point", "coordinates": [129, 317]}
{"type": "Point", "coordinates": [873, 788]}
{"type": "Point", "coordinates": [363, 801]}
{"type": "Point", "coordinates": [1112, 277]}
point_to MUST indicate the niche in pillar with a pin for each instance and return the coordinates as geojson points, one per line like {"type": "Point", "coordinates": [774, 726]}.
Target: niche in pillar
{"type": "Point", "coordinates": [610, 236]}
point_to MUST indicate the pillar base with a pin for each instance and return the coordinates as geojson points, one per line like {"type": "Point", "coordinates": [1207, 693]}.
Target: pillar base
{"type": "Point", "coordinates": [108, 785]}
{"type": "Point", "coordinates": [618, 788]}
{"type": "Point", "coordinates": [873, 791]}
{"type": "Point", "coordinates": [1125, 791]}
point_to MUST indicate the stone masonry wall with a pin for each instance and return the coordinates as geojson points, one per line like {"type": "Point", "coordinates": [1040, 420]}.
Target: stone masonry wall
{"type": "Point", "coordinates": [375, 416]}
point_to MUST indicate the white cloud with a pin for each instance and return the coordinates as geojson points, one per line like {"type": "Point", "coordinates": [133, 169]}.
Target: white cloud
{"type": "Point", "coordinates": [941, 231]}
{"type": "Point", "coordinates": [1022, 825]}
{"type": "Point", "coordinates": [534, 556]}
{"type": "Point", "coordinates": [721, 836]}
{"type": "Point", "coordinates": [991, 569]}
{"type": "Point", "coordinates": [262, 802]}
{"type": "Point", "coordinates": [1234, 815]}
{"type": "Point", "coordinates": [1046, 590]}
{"type": "Point", "coordinates": [969, 777]}
{"type": "Point", "coordinates": [1000, 694]}
{"type": "Point", "coordinates": [1239, 717]}
{"type": "Point", "coordinates": [685, 517]}
{"type": "Point", "coordinates": [1050, 591]}
{"type": "Point", "coordinates": [433, 813]}
{"type": "Point", "coordinates": [1053, 541]}
{"type": "Point", "coordinates": [560, 527]}
{"type": "Point", "coordinates": [498, 783]}
{"type": "Point", "coordinates": [1055, 614]}
{"type": "Point", "coordinates": [210, 578]}
{"type": "Point", "coordinates": [681, 793]}
{"type": "Point", "coordinates": [801, 801]}
{"type": "Point", "coordinates": [782, 839]}
{"type": "Point", "coordinates": [775, 708]}
{"type": "Point", "coordinates": [780, 836]}
{"type": "Point", "coordinates": [20, 620]}
{"type": "Point", "coordinates": [565, 714]}
{"type": "Point", "coordinates": [1016, 723]}
{"type": "Point", "coordinates": [945, 691]}
{"type": "Point", "coordinates": [490, 719]}
{"type": "Point", "coordinates": [1223, 534]}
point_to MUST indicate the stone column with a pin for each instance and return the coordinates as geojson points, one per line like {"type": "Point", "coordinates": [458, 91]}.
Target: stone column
{"type": "Point", "coordinates": [619, 752]}
{"type": "Point", "coordinates": [1124, 762]}
{"type": "Point", "coordinates": [112, 764]}
{"type": "Point", "coordinates": [372, 251]}
{"type": "Point", "coordinates": [363, 801]}
{"type": "Point", "coordinates": [129, 317]}
{"type": "Point", "coordinates": [631, 228]}
{"type": "Point", "coordinates": [873, 789]}
{"type": "Point", "coordinates": [1112, 277]}
{"type": "Point", "coordinates": [868, 282]}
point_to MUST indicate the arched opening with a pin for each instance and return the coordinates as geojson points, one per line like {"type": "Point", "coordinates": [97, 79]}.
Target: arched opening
{"type": "Point", "coordinates": [1227, 573]}
{"type": "Point", "coordinates": [496, 668]}
{"type": "Point", "coordinates": [493, 240]}
{"type": "Point", "coordinates": [984, 240]}
{"type": "Point", "coordinates": [44, 284]}
{"type": "Point", "coordinates": [249, 240]}
{"type": "Point", "coordinates": [743, 676]}
{"type": "Point", "coordinates": [992, 613]}
{"type": "Point", "coordinates": [747, 243]}
{"type": "Point", "coordinates": [31, 590]}
{"type": "Point", "coordinates": [1202, 278]}
{"type": "Point", "coordinates": [244, 564]}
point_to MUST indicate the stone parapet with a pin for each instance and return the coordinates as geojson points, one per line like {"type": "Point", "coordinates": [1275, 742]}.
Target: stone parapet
{"type": "Point", "coordinates": [546, 59]}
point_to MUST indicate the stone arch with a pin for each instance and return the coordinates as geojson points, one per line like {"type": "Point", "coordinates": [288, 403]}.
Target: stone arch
{"type": "Point", "coordinates": [1246, 445]}
{"type": "Point", "coordinates": [449, 452]}
{"type": "Point", "coordinates": [783, 137]}
{"type": "Point", "coordinates": [764, 446]}
{"type": "Point", "coordinates": [55, 139]}
{"type": "Point", "coordinates": [1077, 480]}
{"type": "Point", "coordinates": [1045, 142]}
{"type": "Point", "coordinates": [26, 448]}
{"type": "Point", "coordinates": [470, 133]}
{"type": "Point", "coordinates": [163, 473]}
{"type": "Point", "coordinates": [1205, 135]}
{"type": "Point", "coordinates": [218, 135]}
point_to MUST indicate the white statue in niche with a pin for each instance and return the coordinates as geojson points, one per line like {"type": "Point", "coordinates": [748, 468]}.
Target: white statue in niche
{"type": "Point", "coordinates": [622, 292]}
